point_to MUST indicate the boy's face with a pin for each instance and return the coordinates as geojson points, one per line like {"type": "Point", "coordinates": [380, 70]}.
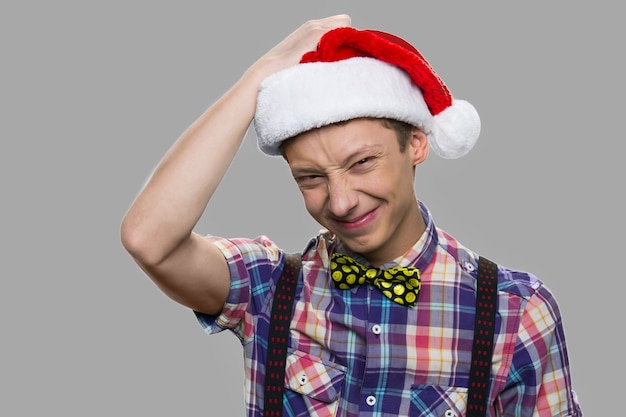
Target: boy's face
{"type": "Point", "coordinates": [359, 185]}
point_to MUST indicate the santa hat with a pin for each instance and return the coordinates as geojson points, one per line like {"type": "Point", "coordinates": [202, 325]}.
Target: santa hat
{"type": "Point", "coordinates": [363, 73]}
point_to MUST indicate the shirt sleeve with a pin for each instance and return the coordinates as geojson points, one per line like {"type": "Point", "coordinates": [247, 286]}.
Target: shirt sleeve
{"type": "Point", "coordinates": [253, 266]}
{"type": "Point", "coordinates": [539, 378]}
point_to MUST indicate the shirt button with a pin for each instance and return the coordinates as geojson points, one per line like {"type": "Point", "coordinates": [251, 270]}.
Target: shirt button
{"type": "Point", "coordinates": [303, 379]}
{"type": "Point", "coordinates": [371, 400]}
{"type": "Point", "coordinates": [376, 329]}
{"type": "Point", "coordinates": [449, 413]}
{"type": "Point", "coordinates": [470, 267]}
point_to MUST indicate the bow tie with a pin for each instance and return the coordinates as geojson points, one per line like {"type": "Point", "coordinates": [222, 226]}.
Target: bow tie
{"type": "Point", "coordinates": [399, 284]}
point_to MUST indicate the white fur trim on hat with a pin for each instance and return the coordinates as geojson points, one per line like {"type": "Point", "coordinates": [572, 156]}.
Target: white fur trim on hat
{"type": "Point", "coordinates": [317, 94]}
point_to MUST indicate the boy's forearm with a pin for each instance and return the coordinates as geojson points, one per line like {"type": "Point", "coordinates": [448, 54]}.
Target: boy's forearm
{"type": "Point", "coordinates": [178, 191]}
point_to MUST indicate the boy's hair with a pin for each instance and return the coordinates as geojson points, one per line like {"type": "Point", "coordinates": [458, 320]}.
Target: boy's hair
{"type": "Point", "coordinates": [403, 132]}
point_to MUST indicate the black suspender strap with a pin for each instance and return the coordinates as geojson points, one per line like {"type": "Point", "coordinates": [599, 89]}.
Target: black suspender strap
{"type": "Point", "coordinates": [280, 318]}
{"type": "Point", "coordinates": [482, 349]}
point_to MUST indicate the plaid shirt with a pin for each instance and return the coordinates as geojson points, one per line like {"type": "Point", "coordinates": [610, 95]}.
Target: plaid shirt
{"type": "Point", "coordinates": [356, 353]}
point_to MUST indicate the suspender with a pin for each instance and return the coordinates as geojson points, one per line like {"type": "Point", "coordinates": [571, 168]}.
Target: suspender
{"type": "Point", "coordinates": [280, 319]}
{"type": "Point", "coordinates": [482, 348]}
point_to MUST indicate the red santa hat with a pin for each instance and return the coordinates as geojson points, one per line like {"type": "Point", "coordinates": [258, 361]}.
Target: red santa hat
{"type": "Point", "coordinates": [363, 73]}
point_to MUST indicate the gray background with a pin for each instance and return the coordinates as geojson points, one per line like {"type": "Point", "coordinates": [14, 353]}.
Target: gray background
{"type": "Point", "coordinates": [93, 94]}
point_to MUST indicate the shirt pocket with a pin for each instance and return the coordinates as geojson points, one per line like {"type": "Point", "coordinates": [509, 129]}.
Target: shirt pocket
{"type": "Point", "coordinates": [318, 382]}
{"type": "Point", "coordinates": [437, 401]}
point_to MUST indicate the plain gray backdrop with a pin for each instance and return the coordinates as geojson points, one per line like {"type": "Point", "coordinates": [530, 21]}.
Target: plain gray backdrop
{"type": "Point", "coordinates": [93, 94]}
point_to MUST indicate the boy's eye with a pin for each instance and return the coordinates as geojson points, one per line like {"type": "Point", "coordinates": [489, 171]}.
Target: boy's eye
{"type": "Point", "coordinates": [308, 180]}
{"type": "Point", "coordinates": [361, 163]}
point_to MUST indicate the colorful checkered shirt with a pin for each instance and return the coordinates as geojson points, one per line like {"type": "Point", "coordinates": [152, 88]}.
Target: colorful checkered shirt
{"type": "Point", "coordinates": [356, 353]}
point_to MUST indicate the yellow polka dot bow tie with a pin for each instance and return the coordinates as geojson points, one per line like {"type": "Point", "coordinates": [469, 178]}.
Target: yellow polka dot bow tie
{"type": "Point", "coordinates": [399, 284]}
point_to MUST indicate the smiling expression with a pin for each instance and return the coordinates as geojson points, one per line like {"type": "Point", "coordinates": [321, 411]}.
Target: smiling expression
{"type": "Point", "coordinates": [357, 183]}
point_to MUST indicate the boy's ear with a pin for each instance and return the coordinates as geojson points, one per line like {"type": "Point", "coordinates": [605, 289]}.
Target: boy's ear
{"type": "Point", "coordinates": [418, 146]}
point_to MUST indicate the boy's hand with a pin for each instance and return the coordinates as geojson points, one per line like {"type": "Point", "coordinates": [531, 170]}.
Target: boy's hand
{"type": "Point", "coordinates": [304, 39]}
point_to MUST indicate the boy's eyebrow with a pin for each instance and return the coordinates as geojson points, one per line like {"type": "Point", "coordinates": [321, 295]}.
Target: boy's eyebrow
{"type": "Point", "coordinates": [359, 153]}
{"type": "Point", "coordinates": [305, 171]}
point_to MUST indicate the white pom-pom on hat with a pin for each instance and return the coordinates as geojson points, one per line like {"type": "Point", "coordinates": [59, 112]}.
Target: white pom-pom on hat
{"type": "Point", "coordinates": [363, 73]}
{"type": "Point", "coordinates": [455, 130]}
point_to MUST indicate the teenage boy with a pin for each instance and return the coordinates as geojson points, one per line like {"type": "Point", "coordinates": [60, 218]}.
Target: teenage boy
{"type": "Point", "coordinates": [385, 307]}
